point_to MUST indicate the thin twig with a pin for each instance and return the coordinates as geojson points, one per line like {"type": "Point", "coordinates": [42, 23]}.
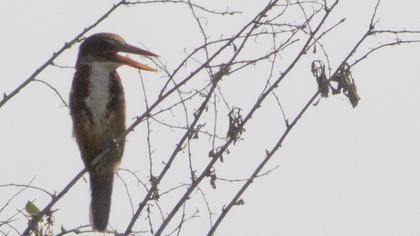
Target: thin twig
{"type": "Point", "coordinates": [66, 46]}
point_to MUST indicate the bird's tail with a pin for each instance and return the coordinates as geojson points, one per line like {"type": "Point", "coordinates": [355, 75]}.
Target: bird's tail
{"type": "Point", "coordinates": [100, 205]}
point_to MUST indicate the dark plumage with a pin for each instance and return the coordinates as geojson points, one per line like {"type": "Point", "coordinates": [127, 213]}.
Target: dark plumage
{"type": "Point", "coordinates": [97, 108]}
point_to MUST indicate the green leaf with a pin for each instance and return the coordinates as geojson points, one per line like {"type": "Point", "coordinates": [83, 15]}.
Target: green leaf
{"type": "Point", "coordinates": [31, 209]}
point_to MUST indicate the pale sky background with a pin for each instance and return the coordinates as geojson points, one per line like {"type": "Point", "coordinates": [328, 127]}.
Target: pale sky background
{"type": "Point", "coordinates": [342, 171]}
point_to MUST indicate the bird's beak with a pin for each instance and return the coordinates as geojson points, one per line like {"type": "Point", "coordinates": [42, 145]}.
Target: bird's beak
{"type": "Point", "coordinates": [130, 62]}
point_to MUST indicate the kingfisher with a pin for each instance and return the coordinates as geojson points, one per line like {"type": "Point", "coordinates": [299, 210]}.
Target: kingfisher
{"type": "Point", "coordinates": [97, 108]}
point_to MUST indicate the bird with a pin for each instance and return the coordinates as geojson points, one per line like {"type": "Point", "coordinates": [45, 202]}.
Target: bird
{"type": "Point", "coordinates": [97, 109]}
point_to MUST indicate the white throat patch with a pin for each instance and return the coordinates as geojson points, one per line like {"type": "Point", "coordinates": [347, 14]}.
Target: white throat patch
{"type": "Point", "coordinates": [97, 100]}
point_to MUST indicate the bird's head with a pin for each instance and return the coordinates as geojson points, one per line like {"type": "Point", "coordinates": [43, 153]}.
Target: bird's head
{"type": "Point", "coordinates": [104, 48]}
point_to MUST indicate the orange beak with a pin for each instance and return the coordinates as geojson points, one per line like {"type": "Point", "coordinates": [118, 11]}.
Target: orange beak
{"type": "Point", "coordinates": [130, 62]}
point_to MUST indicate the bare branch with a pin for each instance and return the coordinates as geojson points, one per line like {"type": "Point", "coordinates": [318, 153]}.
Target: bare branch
{"type": "Point", "coordinates": [66, 46]}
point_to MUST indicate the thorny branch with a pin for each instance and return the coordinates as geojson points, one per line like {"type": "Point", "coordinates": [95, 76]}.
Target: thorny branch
{"type": "Point", "coordinates": [56, 54]}
{"type": "Point", "coordinates": [218, 76]}
{"type": "Point", "coordinates": [343, 68]}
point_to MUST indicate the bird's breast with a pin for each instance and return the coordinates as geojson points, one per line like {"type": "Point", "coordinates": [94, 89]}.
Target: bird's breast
{"type": "Point", "coordinates": [99, 96]}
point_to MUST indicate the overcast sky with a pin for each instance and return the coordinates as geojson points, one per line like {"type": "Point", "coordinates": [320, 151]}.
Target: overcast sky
{"type": "Point", "coordinates": [341, 171]}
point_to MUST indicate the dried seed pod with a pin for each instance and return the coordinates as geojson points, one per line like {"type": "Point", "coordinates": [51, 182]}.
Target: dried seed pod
{"type": "Point", "coordinates": [346, 84]}
{"type": "Point", "coordinates": [318, 70]}
{"type": "Point", "coordinates": [235, 122]}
